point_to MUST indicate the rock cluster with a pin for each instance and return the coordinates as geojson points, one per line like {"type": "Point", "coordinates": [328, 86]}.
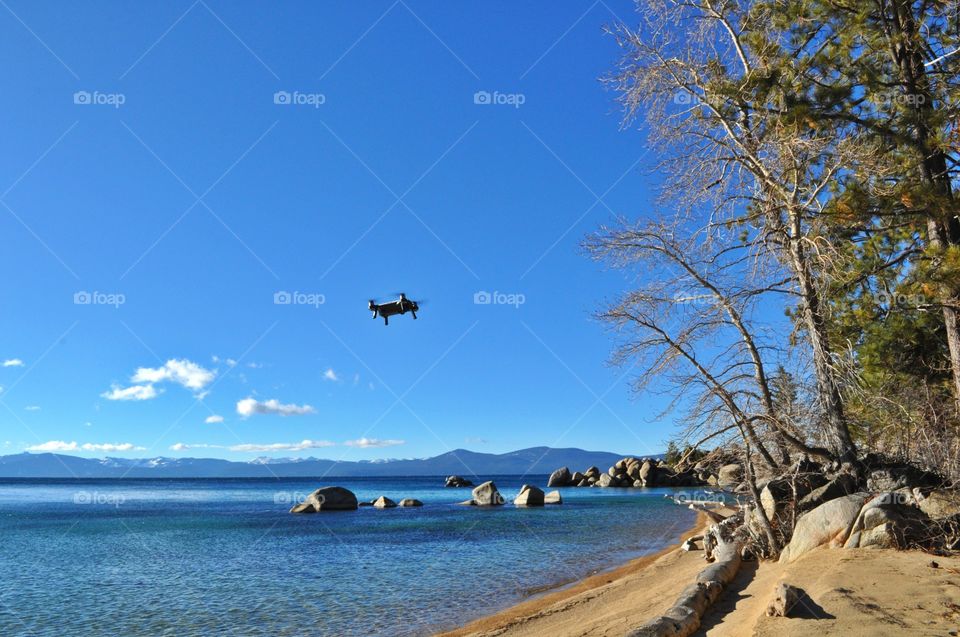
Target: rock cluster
{"type": "Point", "coordinates": [627, 472]}
{"type": "Point", "coordinates": [531, 496]}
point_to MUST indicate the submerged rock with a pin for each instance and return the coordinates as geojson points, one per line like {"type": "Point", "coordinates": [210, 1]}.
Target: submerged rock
{"type": "Point", "coordinates": [383, 502]}
{"type": "Point", "coordinates": [552, 498]}
{"type": "Point", "coordinates": [327, 499]}
{"type": "Point", "coordinates": [457, 481]}
{"type": "Point", "coordinates": [410, 502]}
{"type": "Point", "coordinates": [530, 496]}
{"type": "Point", "coordinates": [486, 494]}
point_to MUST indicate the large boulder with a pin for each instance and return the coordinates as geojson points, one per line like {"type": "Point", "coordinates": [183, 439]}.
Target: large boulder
{"type": "Point", "coordinates": [529, 496]}
{"type": "Point", "coordinates": [887, 521]}
{"type": "Point", "coordinates": [777, 494]}
{"type": "Point", "coordinates": [606, 480]}
{"type": "Point", "coordinates": [648, 474]}
{"type": "Point", "coordinates": [843, 484]}
{"type": "Point", "coordinates": [893, 477]}
{"type": "Point", "coordinates": [457, 481]}
{"type": "Point", "coordinates": [592, 472]}
{"type": "Point", "coordinates": [383, 502]}
{"type": "Point", "coordinates": [577, 478]}
{"type": "Point", "coordinates": [552, 498]}
{"type": "Point", "coordinates": [941, 503]}
{"type": "Point", "coordinates": [486, 494]}
{"type": "Point", "coordinates": [560, 478]}
{"type": "Point", "coordinates": [729, 475]}
{"type": "Point", "coordinates": [411, 502]}
{"type": "Point", "coordinates": [829, 523]}
{"type": "Point", "coordinates": [327, 499]}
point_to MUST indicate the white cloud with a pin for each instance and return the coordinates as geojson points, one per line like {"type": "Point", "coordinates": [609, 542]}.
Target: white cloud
{"type": "Point", "coordinates": [366, 443]}
{"type": "Point", "coordinates": [12, 362]}
{"type": "Point", "coordinates": [330, 375]}
{"type": "Point", "coordinates": [32, 408]}
{"type": "Point", "coordinates": [60, 445]}
{"type": "Point", "coordinates": [134, 392]}
{"type": "Point", "coordinates": [180, 446]}
{"type": "Point", "coordinates": [180, 371]}
{"type": "Point", "coordinates": [211, 420]}
{"type": "Point", "coordinates": [283, 446]}
{"type": "Point", "coordinates": [250, 406]}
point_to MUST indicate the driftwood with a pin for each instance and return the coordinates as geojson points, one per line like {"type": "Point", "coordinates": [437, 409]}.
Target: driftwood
{"type": "Point", "coordinates": [713, 515]}
{"type": "Point", "coordinates": [683, 618]}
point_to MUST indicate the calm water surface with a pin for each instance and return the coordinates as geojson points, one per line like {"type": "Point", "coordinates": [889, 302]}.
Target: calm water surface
{"type": "Point", "coordinates": [223, 557]}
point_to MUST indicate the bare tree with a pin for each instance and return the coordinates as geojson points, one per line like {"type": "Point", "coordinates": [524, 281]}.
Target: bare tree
{"type": "Point", "coordinates": [735, 158]}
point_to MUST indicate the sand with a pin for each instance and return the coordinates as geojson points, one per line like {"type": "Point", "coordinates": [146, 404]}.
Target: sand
{"type": "Point", "coordinates": [864, 592]}
{"type": "Point", "coordinates": [606, 604]}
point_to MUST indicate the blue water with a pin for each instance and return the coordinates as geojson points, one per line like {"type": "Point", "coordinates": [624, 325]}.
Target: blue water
{"type": "Point", "coordinates": [223, 557]}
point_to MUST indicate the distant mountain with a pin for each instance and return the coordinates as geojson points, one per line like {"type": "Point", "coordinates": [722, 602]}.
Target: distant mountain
{"type": "Point", "coordinates": [536, 460]}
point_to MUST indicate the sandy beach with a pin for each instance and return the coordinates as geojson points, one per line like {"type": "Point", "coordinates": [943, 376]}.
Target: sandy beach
{"type": "Point", "coordinates": [859, 592]}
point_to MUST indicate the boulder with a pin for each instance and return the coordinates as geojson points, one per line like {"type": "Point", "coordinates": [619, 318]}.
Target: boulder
{"type": "Point", "coordinates": [887, 522]}
{"type": "Point", "coordinates": [576, 478]}
{"type": "Point", "coordinates": [941, 504]}
{"type": "Point", "coordinates": [592, 472]}
{"type": "Point", "coordinates": [559, 478]}
{"type": "Point", "coordinates": [457, 481]}
{"type": "Point", "coordinates": [383, 502]}
{"type": "Point", "coordinates": [777, 494]}
{"type": "Point", "coordinates": [411, 502]}
{"type": "Point", "coordinates": [552, 498]}
{"type": "Point", "coordinates": [729, 475]}
{"type": "Point", "coordinates": [486, 494]}
{"type": "Point", "coordinates": [785, 597]}
{"type": "Point", "coordinates": [530, 496]}
{"type": "Point", "coordinates": [327, 499]}
{"type": "Point", "coordinates": [829, 523]}
{"type": "Point", "coordinates": [893, 477]}
{"type": "Point", "coordinates": [606, 480]}
{"type": "Point", "coordinates": [469, 503]}
{"type": "Point", "coordinates": [637, 483]}
{"type": "Point", "coordinates": [648, 473]}
{"type": "Point", "coordinates": [843, 484]}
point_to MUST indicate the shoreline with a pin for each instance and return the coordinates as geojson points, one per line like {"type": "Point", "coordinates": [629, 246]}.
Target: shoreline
{"type": "Point", "coordinates": [542, 603]}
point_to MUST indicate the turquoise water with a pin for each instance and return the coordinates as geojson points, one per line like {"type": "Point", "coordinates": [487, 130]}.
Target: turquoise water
{"type": "Point", "coordinates": [223, 557]}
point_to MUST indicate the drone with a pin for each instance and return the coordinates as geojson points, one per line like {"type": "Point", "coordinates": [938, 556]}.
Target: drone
{"type": "Point", "coordinates": [400, 306]}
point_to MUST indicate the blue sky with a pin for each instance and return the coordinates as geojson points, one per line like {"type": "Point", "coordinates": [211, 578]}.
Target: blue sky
{"type": "Point", "coordinates": [168, 170]}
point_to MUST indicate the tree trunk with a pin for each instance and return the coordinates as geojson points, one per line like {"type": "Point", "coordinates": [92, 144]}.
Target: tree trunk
{"type": "Point", "coordinates": [811, 309]}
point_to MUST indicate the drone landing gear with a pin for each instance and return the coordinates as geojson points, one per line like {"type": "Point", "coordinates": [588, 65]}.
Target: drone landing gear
{"type": "Point", "coordinates": [414, 315]}
{"type": "Point", "coordinates": [386, 321]}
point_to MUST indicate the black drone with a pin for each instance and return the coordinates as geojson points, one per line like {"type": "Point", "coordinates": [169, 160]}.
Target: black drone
{"type": "Point", "coordinates": [400, 306]}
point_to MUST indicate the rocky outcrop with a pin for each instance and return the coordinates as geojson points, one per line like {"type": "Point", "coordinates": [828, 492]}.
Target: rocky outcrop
{"type": "Point", "coordinates": [829, 523]}
{"type": "Point", "coordinates": [327, 499]}
{"type": "Point", "coordinates": [529, 496]}
{"type": "Point", "coordinates": [410, 502]}
{"type": "Point", "coordinates": [843, 484]}
{"type": "Point", "coordinates": [457, 481]}
{"type": "Point", "coordinates": [779, 493]}
{"type": "Point", "coordinates": [560, 478]}
{"type": "Point", "coordinates": [383, 502]}
{"type": "Point", "coordinates": [626, 472]}
{"type": "Point", "coordinates": [729, 475]}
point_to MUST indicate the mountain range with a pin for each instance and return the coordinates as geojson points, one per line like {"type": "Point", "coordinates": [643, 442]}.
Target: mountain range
{"type": "Point", "coordinates": [534, 460]}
